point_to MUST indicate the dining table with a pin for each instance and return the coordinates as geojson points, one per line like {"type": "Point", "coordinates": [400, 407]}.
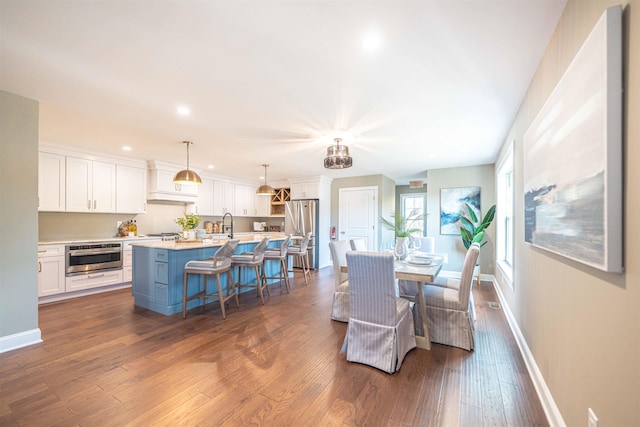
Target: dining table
{"type": "Point", "coordinates": [421, 268]}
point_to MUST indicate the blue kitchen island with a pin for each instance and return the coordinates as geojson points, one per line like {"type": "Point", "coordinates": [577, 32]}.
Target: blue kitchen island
{"type": "Point", "coordinates": [158, 271]}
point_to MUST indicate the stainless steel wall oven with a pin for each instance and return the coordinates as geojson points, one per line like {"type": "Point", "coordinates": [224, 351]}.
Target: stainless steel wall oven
{"type": "Point", "coordinates": [90, 257]}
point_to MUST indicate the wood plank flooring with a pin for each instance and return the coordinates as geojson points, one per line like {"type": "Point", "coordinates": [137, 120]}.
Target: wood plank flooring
{"type": "Point", "coordinates": [104, 362]}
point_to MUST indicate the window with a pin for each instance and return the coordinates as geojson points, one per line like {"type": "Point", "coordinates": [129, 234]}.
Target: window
{"type": "Point", "coordinates": [504, 214]}
{"type": "Point", "coordinates": [415, 204]}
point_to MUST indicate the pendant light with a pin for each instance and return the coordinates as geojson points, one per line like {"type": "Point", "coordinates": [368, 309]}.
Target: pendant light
{"type": "Point", "coordinates": [187, 176]}
{"type": "Point", "coordinates": [338, 156]}
{"type": "Point", "coordinates": [265, 189]}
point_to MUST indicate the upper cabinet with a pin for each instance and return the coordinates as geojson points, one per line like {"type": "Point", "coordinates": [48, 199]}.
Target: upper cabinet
{"type": "Point", "coordinates": [131, 189]}
{"type": "Point", "coordinates": [51, 182]}
{"type": "Point", "coordinates": [204, 205]}
{"type": "Point", "coordinates": [244, 200]}
{"type": "Point", "coordinates": [263, 205]}
{"type": "Point", "coordinates": [162, 187]}
{"type": "Point", "coordinates": [90, 185]}
{"type": "Point", "coordinates": [223, 197]}
{"type": "Point", "coordinates": [73, 181]}
{"type": "Point", "coordinates": [312, 187]}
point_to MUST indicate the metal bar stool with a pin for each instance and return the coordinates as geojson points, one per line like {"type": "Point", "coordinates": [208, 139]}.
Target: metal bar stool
{"type": "Point", "coordinates": [301, 252]}
{"type": "Point", "coordinates": [219, 263]}
{"type": "Point", "coordinates": [281, 256]}
{"type": "Point", "coordinates": [253, 259]}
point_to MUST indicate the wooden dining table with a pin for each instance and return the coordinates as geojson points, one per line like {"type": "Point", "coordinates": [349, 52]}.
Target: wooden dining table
{"type": "Point", "coordinates": [420, 273]}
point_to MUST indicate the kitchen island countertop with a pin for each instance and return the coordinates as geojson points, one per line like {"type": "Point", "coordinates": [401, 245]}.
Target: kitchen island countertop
{"type": "Point", "coordinates": [207, 243]}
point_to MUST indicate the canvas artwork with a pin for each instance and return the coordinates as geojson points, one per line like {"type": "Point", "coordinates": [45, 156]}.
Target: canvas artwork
{"type": "Point", "coordinates": [573, 160]}
{"type": "Point", "coordinates": [452, 206]}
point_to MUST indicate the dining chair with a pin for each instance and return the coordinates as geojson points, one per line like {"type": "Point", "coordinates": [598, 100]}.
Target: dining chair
{"type": "Point", "coordinates": [450, 311]}
{"type": "Point", "coordinates": [279, 255]}
{"type": "Point", "coordinates": [219, 263]}
{"type": "Point", "coordinates": [427, 244]}
{"type": "Point", "coordinates": [359, 244]}
{"type": "Point", "coordinates": [300, 251]}
{"type": "Point", "coordinates": [380, 331]}
{"type": "Point", "coordinates": [253, 259]}
{"type": "Point", "coordinates": [340, 307]}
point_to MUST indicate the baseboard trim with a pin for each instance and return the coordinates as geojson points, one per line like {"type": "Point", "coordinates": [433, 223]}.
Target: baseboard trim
{"type": "Point", "coordinates": [554, 417]}
{"type": "Point", "coordinates": [19, 340]}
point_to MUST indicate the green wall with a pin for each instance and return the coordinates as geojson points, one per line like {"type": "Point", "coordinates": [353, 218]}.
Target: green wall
{"type": "Point", "coordinates": [18, 221]}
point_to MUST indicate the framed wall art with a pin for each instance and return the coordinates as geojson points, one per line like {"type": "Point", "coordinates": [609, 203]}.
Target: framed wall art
{"type": "Point", "coordinates": [573, 156]}
{"type": "Point", "coordinates": [453, 205]}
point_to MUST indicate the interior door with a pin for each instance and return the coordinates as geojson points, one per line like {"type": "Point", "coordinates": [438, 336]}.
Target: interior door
{"type": "Point", "coordinates": [358, 214]}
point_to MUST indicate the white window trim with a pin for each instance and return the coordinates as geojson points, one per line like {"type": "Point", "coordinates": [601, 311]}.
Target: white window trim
{"type": "Point", "coordinates": [505, 268]}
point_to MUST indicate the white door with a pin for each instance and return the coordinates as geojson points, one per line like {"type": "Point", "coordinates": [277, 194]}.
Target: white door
{"type": "Point", "coordinates": [358, 213]}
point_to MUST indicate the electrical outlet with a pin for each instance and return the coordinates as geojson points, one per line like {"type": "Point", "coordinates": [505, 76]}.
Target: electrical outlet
{"type": "Point", "coordinates": [592, 419]}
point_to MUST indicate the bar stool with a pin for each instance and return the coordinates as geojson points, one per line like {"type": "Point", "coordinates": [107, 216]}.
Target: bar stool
{"type": "Point", "coordinates": [301, 252]}
{"type": "Point", "coordinates": [253, 259]}
{"type": "Point", "coordinates": [219, 263]}
{"type": "Point", "coordinates": [278, 255]}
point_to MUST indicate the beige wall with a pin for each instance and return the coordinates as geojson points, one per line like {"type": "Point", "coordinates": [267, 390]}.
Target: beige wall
{"type": "Point", "coordinates": [582, 325]}
{"type": "Point", "coordinates": [18, 219]}
{"type": "Point", "coordinates": [386, 197]}
{"type": "Point", "coordinates": [481, 176]}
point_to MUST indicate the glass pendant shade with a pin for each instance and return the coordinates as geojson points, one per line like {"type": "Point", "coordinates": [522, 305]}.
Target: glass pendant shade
{"type": "Point", "coordinates": [187, 176]}
{"type": "Point", "coordinates": [265, 189]}
{"type": "Point", "coordinates": [338, 156]}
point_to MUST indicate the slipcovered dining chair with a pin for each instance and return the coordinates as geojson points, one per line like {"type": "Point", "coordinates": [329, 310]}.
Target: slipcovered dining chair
{"type": "Point", "coordinates": [253, 259]}
{"type": "Point", "coordinates": [340, 307]}
{"type": "Point", "coordinates": [300, 251]}
{"type": "Point", "coordinates": [450, 311]}
{"type": "Point", "coordinates": [359, 244]}
{"type": "Point", "coordinates": [380, 331]}
{"type": "Point", "coordinates": [219, 263]}
{"type": "Point", "coordinates": [427, 244]}
{"type": "Point", "coordinates": [280, 255]}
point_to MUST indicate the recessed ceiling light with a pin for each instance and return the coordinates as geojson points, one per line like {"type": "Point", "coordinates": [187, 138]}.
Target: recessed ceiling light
{"type": "Point", "coordinates": [126, 148]}
{"type": "Point", "coordinates": [371, 41]}
{"type": "Point", "coordinates": [210, 166]}
{"type": "Point", "coordinates": [183, 110]}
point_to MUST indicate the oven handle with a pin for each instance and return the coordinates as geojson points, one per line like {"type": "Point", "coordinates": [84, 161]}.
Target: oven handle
{"type": "Point", "coordinates": [82, 252]}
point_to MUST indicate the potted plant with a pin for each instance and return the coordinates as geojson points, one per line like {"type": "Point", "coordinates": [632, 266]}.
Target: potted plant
{"type": "Point", "coordinates": [402, 227]}
{"type": "Point", "coordinates": [189, 223]}
{"type": "Point", "coordinates": [472, 230]}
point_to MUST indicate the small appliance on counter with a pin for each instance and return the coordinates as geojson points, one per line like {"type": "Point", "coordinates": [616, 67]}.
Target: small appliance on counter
{"type": "Point", "coordinates": [259, 226]}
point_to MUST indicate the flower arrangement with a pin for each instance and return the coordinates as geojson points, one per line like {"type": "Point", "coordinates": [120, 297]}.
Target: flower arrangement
{"type": "Point", "coordinates": [401, 226]}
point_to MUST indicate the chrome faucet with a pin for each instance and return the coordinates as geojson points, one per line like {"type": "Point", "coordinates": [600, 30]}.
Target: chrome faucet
{"type": "Point", "coordinates": [228, 227]}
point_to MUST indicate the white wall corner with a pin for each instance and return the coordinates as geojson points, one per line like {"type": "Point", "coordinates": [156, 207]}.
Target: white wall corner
{"type": "Point", "coordinates": [19, 340]}
{"type": "Point", "coordinates": [554, 417]}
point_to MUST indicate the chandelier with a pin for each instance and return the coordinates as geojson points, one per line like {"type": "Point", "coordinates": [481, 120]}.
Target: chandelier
{"type": "Point", "coordinates": [338, 156]}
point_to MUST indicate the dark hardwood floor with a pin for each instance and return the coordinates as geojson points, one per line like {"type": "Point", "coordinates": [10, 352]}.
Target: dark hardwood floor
{"type": "Point", "coordinates": [104, 362]}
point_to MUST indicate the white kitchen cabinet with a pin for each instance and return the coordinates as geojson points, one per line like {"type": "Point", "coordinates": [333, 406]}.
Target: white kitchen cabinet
{"type": "Point", "coordinates": [223, 197]}
{"type": "Point", "coordinates": [244, 200]}
{"type": "Point", "coordinates": [305, 190]}
{"type": "Point", "coordinates": [205, 204]}
{"type": "Point", "coordinates": [93, 280]}
{"type": "Point", "coordinates": [162, 187]}
{"type": "Point", "coordinates": [263, 205]}
{"type": "Point", "coordinates": [131, 189]}
{"type": "Point", "coordinates": [90, 185]}
{"type": "Point", "coordinates": [51, 182]}
{"type": "Point", "coordinates": [51, 275]}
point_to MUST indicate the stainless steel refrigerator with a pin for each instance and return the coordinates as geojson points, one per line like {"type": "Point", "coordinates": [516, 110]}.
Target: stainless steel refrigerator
{"type": "Point", "coordinates": [301, 217]}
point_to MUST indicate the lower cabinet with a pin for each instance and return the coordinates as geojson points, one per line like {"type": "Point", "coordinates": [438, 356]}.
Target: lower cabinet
{"type": "Point", "coordinates": [93, 280]}
{"type": "Point", "coordinates": [51, 274]}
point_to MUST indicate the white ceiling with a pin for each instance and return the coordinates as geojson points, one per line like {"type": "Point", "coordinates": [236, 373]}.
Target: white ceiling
{"type": "Point", "coordinates": [272, 81]}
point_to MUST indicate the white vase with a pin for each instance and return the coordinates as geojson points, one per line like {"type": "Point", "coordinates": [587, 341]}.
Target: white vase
{"type": "Point", "coordinates": [401, 249]}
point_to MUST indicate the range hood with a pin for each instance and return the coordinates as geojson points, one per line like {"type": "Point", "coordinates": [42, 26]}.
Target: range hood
{"type": "Point", "coordinates": [162, 188]}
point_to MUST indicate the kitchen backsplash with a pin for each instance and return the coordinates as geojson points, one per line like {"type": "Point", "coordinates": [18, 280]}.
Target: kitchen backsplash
{"type": "Point", "coordinates": [159, 218]}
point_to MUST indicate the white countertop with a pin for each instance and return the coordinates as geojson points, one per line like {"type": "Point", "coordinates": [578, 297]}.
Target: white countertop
{"type": "Point", "coordinates": [209, 243]}
{"type": "Point", "coordinates": [142, 238]}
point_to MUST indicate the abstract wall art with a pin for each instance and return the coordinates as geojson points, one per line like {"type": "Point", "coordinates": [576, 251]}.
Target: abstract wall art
{"type": "Point", "coordinates": [573, 156]}
{"type": "Point", "coordinates": [453, 205]}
